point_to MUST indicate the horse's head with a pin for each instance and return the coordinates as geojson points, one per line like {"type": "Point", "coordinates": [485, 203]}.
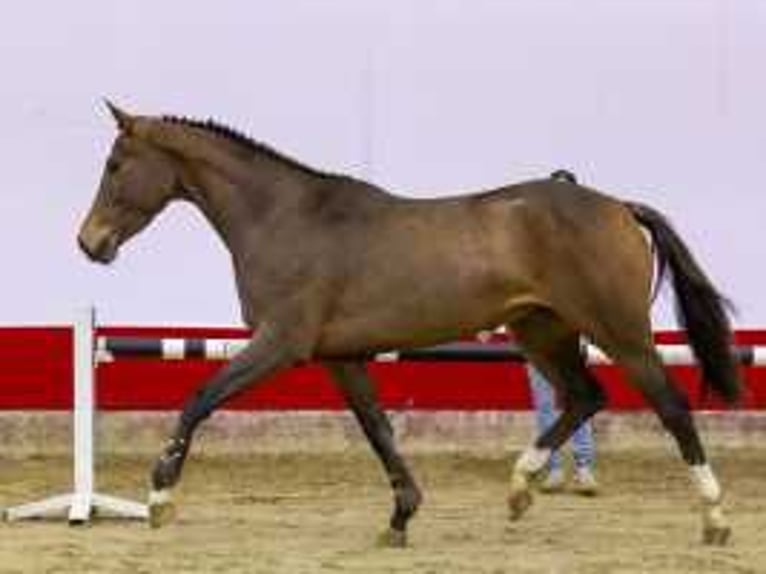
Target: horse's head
{"type": "Point", "coordinates": [139, 179]}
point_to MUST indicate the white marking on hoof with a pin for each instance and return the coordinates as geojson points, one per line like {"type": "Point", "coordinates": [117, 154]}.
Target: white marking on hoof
{"type": "Point", "coordinates": [715, 528]}
{"type": "Point", "coordinates": [706, 482]}
{"type": "Point", "coordinates": [532, 460]}
{"type": "Point", "coordinates": [160, 497]}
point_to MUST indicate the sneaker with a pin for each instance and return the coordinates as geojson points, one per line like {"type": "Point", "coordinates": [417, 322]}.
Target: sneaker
{"type": "Point", "coordinates": [585, 483]}
{"type": "Point", "coordinates": [554, 482]}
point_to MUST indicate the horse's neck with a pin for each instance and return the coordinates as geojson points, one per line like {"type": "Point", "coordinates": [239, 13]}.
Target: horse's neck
{"type": "Point", "coordinates": [237, 192]}
{"type": "Point", "coordinates": [222, 205]}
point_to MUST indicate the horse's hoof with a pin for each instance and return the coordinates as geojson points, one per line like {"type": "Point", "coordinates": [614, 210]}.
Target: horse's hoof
{"type": "Point", "coordinates": [392, 538]}
{"type": "Point", "coordinates": [161, 514]}
{"type": "Point", "coordinates": [518, 503]}
{"type": "Point", "coordinates": [162, 510]}
{"type": "Point", "coordinates": [716, 535]}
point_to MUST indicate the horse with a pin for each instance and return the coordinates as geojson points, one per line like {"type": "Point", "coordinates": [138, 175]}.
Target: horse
{"type": "Point", "coordinates": [331, 269]}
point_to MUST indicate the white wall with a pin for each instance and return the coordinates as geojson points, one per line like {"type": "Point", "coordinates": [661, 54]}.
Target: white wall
{"type": "Point", "coordinates": [660, 100]}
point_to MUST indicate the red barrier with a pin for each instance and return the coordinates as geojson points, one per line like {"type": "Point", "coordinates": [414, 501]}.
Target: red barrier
{"type": "Point", "coordinates": [36, 373]}
{"type": "Point", "coordinates": [35, 368]}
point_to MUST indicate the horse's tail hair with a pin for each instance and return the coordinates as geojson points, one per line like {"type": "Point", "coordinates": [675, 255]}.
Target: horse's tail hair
{"type": "Point", "coordinates": [700, 308]}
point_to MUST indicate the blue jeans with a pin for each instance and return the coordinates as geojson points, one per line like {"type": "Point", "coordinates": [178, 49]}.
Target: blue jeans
{"type": "Point", "coordinates": [544, 401]}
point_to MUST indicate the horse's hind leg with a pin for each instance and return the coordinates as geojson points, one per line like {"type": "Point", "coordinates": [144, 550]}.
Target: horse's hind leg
{"type": "Point", "coordinates": [554, 349]}
{"type": "Point", "coordinates": [354, 382]}
{"type": "Point", "coordinates": [646, 371]}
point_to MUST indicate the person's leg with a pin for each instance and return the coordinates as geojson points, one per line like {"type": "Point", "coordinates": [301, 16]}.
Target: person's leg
{"type": "Point", "coordinates": [584, 453]}
{"type": "Point", "coordinates": [584, 447]}
{"type": "Point", "coordinates": [544, 402]}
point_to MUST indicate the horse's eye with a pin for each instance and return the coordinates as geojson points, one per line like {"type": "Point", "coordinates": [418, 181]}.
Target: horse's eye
{"type": "Point", "coordinates": [112, 166]}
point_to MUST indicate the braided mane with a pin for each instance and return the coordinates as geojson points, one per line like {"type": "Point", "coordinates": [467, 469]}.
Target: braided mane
{"type": "Point", "coordinates": [221, 130]}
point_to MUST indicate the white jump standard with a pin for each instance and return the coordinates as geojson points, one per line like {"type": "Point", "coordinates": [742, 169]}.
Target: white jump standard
{"type": "Point", "coordinates": [81, 504]}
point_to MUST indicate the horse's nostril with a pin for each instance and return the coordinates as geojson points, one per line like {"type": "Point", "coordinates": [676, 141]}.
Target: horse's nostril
{"type": "Point", "coordinates": [84, 247]}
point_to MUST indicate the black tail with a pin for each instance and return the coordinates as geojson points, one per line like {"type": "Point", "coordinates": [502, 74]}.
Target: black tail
{"type": "Point", "coordinates": [700, 309]}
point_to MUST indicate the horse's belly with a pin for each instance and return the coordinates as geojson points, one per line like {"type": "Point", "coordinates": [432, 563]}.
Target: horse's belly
{"type": "Point", "coordinates": [394, 327]}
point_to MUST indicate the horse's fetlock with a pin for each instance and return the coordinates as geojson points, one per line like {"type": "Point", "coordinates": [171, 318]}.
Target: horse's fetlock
{"type": "Point", "coordinates": [408, 499]}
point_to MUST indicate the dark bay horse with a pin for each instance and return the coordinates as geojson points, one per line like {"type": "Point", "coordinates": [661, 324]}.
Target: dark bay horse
{"type": "Point", "coordinates": [331, 269]}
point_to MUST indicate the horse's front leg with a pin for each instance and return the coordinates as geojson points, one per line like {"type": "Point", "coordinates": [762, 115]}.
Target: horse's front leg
{"type": "Point", "coordinates": [263, 356]}
{"type": "Point", "coordinates": [354, 382]}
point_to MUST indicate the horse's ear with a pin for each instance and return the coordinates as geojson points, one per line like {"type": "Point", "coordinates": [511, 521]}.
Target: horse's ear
{"type": "Point", "coordinates": [124, 120]}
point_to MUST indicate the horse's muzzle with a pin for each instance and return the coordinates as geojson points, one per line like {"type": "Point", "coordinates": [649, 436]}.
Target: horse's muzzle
{"type": "Point", "coordinates": [103, 251]}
